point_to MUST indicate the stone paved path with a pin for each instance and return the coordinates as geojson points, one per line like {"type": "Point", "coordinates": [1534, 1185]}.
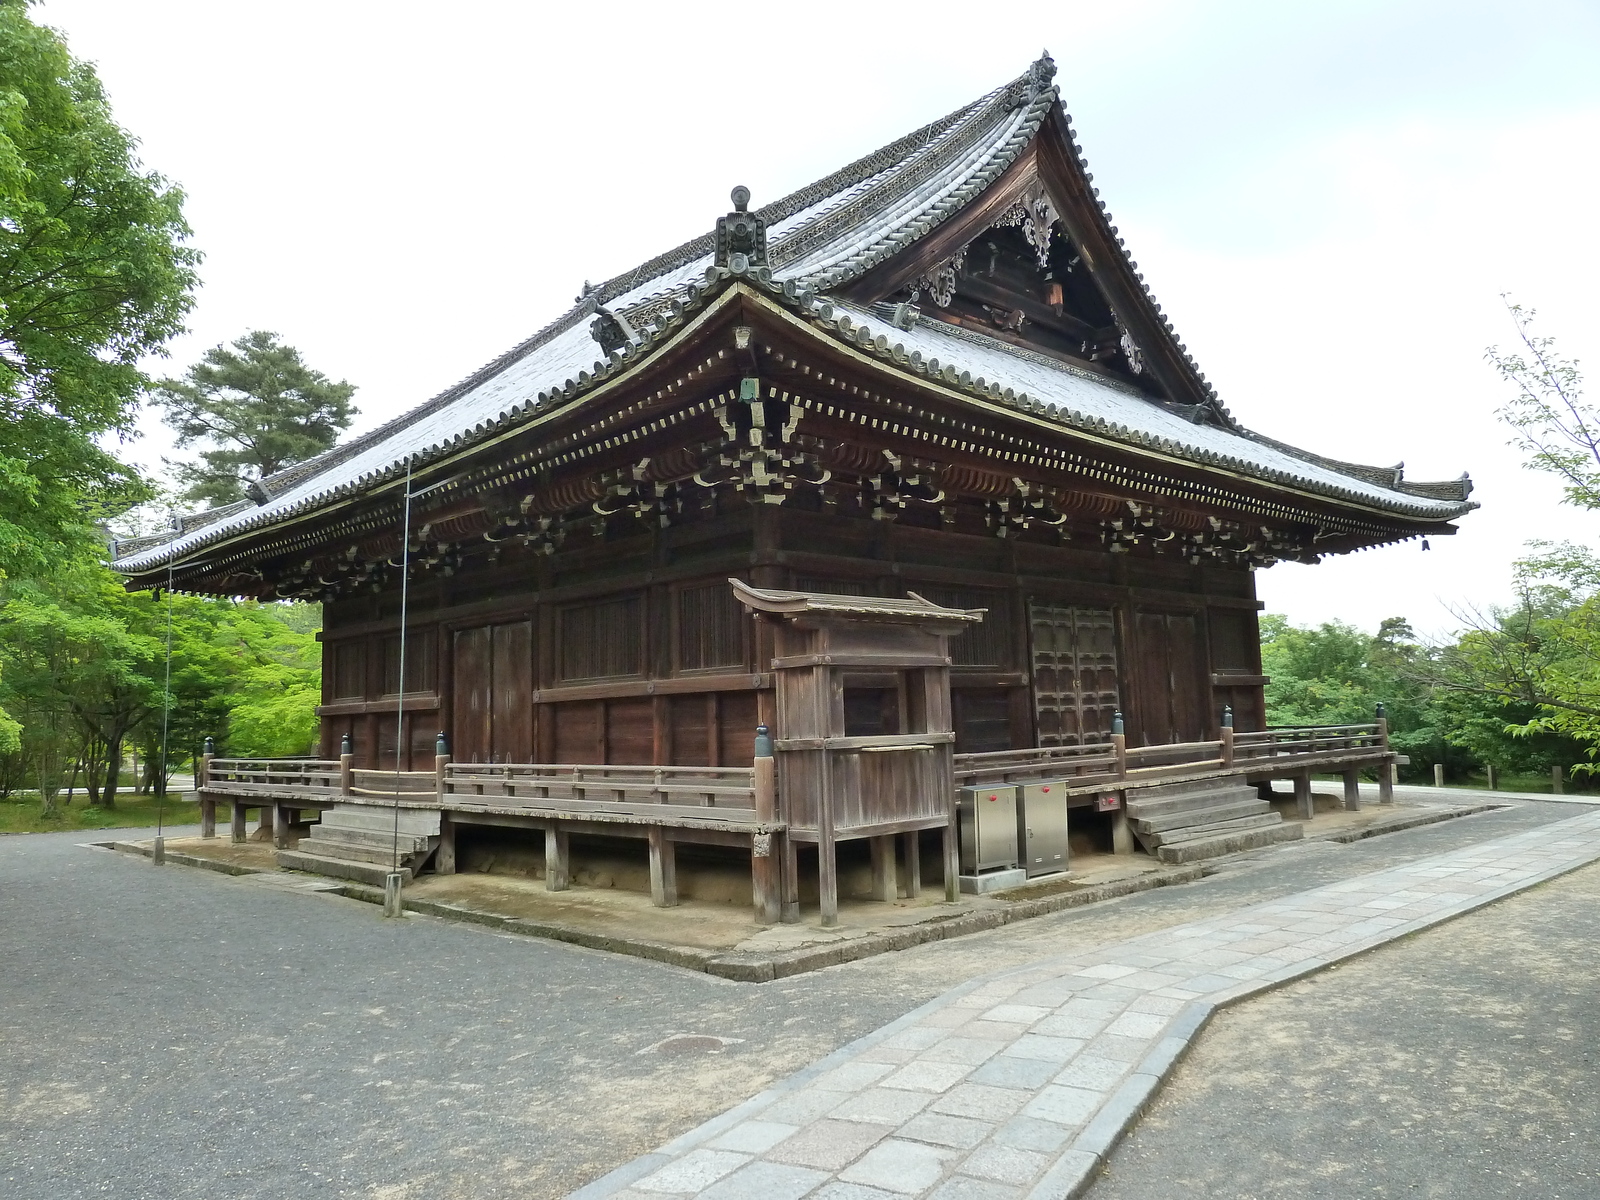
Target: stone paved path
{"type": "Point", "coordinates": [1019, 1085]}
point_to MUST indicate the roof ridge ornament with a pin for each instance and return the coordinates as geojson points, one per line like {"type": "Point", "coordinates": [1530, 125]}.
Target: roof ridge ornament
{"type": "Point", "coordinates": [1041, 74]}
{"type": "Point", "coordinates": [741, 236]}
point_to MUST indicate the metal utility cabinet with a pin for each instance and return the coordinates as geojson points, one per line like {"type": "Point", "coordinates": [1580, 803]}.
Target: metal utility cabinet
{"type": "Point", "coordinates": [1042, 827]}
{"type": "Point", "coordinates": [988, 821]}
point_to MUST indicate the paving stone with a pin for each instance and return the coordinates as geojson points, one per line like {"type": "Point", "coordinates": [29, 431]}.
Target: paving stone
{"type": "Point", "coordinates": [801, 1107]}
{"type": "Point", "coordinates": [766, 1181]}
{"type": "Point", "coordinates": [1092, 1072]}
{"type": "Point", "coordinates": [753, 1137]}
{"type": "Point", "coordinates": [1018, 1014]}
{"type": "Point", "coordinates": [1064, 1105]}
{"type": "Point", "coordinates": [961, 1133]}
{"type": "Point", "coordinates": [1139, 1025]}
{"type": "Point", "coordinates": [960, 1187]}
{"type": "Point", "coordinates": [955, 1049]}
{"type": "Point", "coordinates": [852, 1191]}
{"type": "Point", "coordinates": [1045, 1049]}
{"type": "Point", "coordinates": [915, 1037]}
{"type": "Point", "coordinates": [1123, 1049]}
{"type": "Point", "coordinates": [828, 1145]}
{"type": "Point", "coordinates": [899, 1166]}
{"type": "Point", "coordinates": [1065, 1026]}
{"type": "Point", "coordinates": [852, 1076]}
{"type": "Point", "coordinates": [995, 1031]}
{"type": "Point", "coordinates": [1030, 1133]}
{"type": "Point", "coordinates": [1004, 1163]}
{"type": "Point", "coordinates": [884, 1106]}
{"type": "Point", "coordinates": [694, 1172]}
{"type": "Point", "coordinates": [976, 1100]}
{"type": "Point", "coordinates": [925, 1076]}
{"type": "Point", "coordinates": [1010, 1072]}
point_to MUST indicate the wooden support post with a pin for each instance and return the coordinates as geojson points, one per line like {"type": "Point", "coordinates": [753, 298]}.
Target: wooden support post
{"type": "Point", "coordinates": [827, 878]}
{"type": "Point", "coordinates": [790, 881]}
{"type": "Point", "coordinates": [557, 861]}
{"type": "Point", "coordinates": [883, 880]}
{"type": "Point", "coordinates": [1386, 783]}
{"type": "Point", "coordinates": [1119, 748]}
{"type": "Point", "coordinates": [911, 851]}
{"type": "Point", "coordinates": [1121, 831]}
{"type": "Point", "coordinates": [1352, 790]}
{"type": "Point", "coordinates": [238, 830]}
{"type": "Point", "coordinates": [1438, 774]}
{"type": "Point", "coordinates": [663, 868]}
{"type": "Point", "coordinates": [1490, 772]}
{"type": "Point", "coordinates": [952, 865]}
{"type": "Point", "coordinates": [347, 763]}
{"type": "Point", "coordinates": [1227, 745]}
{"type": "Point", "coordinates": [766, 875]}
{"type": "Point", "coordinates": [265, 825]}
{"type": "Point", "coordinates": [444, 859]}
{"type": "Point", "coordinates": [208, 816]}
{"type": "Point", "coordinates": [280, 825]}
{"type": "Point", "coordinates": [440, 762]}
{"type": "Point", "coordinates": [1302, 796]}
{"type": "Point", "coordinates": [1555, 780]}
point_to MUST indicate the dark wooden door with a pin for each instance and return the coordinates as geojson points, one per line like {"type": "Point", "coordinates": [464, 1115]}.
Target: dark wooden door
{"type": "Point", "coordinates": [493, 693]}
{"type": "Point", "coordinates": [1075, 692]}
{"type": "Point", "coordinates": [1169, 684]}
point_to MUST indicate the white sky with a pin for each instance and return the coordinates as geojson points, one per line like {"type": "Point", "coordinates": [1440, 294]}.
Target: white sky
{"type": "Point", "coordinates": [1327, 198]}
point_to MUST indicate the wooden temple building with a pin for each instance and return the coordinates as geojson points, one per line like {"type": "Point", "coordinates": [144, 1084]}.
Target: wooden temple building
{"type": "Point", "coordinates": [933, 381]}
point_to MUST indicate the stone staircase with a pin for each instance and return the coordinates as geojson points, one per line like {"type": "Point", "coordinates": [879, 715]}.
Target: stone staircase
{"type": "Point", "coordinates": [1182, 822]}
{"type": "Point", "coordinates": [357, 841]}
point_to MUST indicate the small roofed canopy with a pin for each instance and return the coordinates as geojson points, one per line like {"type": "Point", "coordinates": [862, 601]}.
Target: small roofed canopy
{"type": "Point", "coordinates": [913, 610]}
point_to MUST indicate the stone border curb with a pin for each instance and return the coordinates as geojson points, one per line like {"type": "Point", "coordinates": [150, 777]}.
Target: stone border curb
{"type": "Point", "coordinates": [765, 968]}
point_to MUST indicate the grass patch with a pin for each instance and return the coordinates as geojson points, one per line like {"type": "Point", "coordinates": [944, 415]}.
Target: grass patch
{"type": "Point", "coordinates": [20, 813]}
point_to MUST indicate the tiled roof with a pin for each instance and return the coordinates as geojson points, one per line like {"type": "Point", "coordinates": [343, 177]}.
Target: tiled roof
{"type": "Point", "coordinates": [819, 239]}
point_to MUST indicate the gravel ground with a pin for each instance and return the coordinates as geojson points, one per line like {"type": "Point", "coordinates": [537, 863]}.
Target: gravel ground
{"type": "Point", "coordinates": [1462, 1062]}
{"type": "Point", "coordinates": [174, 1032]}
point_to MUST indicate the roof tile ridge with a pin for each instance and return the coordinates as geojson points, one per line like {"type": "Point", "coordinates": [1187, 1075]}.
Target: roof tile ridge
{"type": "Point", "coordinates": [863, 261]}
{"type": "Point", "coordinates": [861, 169]}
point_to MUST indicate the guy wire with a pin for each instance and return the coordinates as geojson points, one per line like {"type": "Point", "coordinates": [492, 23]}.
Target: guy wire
{"type": "Point", "coordinates": [166, 692]}
{"type": "Point", "coordinates": [400, 702]}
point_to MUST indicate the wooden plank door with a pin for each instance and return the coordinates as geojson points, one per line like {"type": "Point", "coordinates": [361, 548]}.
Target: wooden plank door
{"type": "Point", "coordinates": [493, 692]}
{"type": "Point", "coordinates": [1075, 688]}
{"type": "Point", "coordinates": [511, 706]}
{"type": "Point", "coordinates": [1169, 662]}
{"type": "Point", "coordinates": [472, 737]}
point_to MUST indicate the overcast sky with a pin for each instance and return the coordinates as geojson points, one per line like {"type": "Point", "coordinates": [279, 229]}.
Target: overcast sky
{"type": "Point", "coordinates": [1327, 198]}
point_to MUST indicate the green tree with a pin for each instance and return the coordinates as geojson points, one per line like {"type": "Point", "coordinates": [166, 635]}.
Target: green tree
{"type": "Point", "coordinates": [1538, 660]}
{"type": "Point", "coordinates": [94, 276]}
{"type": "Point", "coordinates": [258, 408]}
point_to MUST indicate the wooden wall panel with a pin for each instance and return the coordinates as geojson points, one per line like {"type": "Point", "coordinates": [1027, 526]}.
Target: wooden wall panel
{"type": "Point", "coordinates": [580, 731]}
{"type": "Point", "coordinates": [1076, 686]}
{"type": "Point", "coordinates": [630, 730]}
{"type": "Point", "coordinates": [422, 657]}
{"type": "Point", "coordinates": [692, 729]}
{"type": "Point", "coordinates": [736, 728]}
{"type": "Point", "coordinates": [349, 670]}
{"type": "Point", "coordinates": [991, 643]}
{"type": "Point", "coordinates": [982, 719]}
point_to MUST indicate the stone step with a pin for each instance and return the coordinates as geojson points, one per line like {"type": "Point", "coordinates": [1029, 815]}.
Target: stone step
{"type": "Point", "coordinates": [360, 872]}
{"type": "Point", "coordinates": [420, 821]}
{"type": "Point", "coordinates": [1215, 829]}
{"type": "Point", "coordinates": [382, 855]}
{"type": "Point", "coordinates": [1194, 849]}
{"type": "Point", "coordinates": [380, 838]}
{"type": "Point", "coordinates": [1164, 791]}
{"type": "Point", "coordinates": [1140, 806]}
{"type": "Point", "coordinates": [1162, 822]}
